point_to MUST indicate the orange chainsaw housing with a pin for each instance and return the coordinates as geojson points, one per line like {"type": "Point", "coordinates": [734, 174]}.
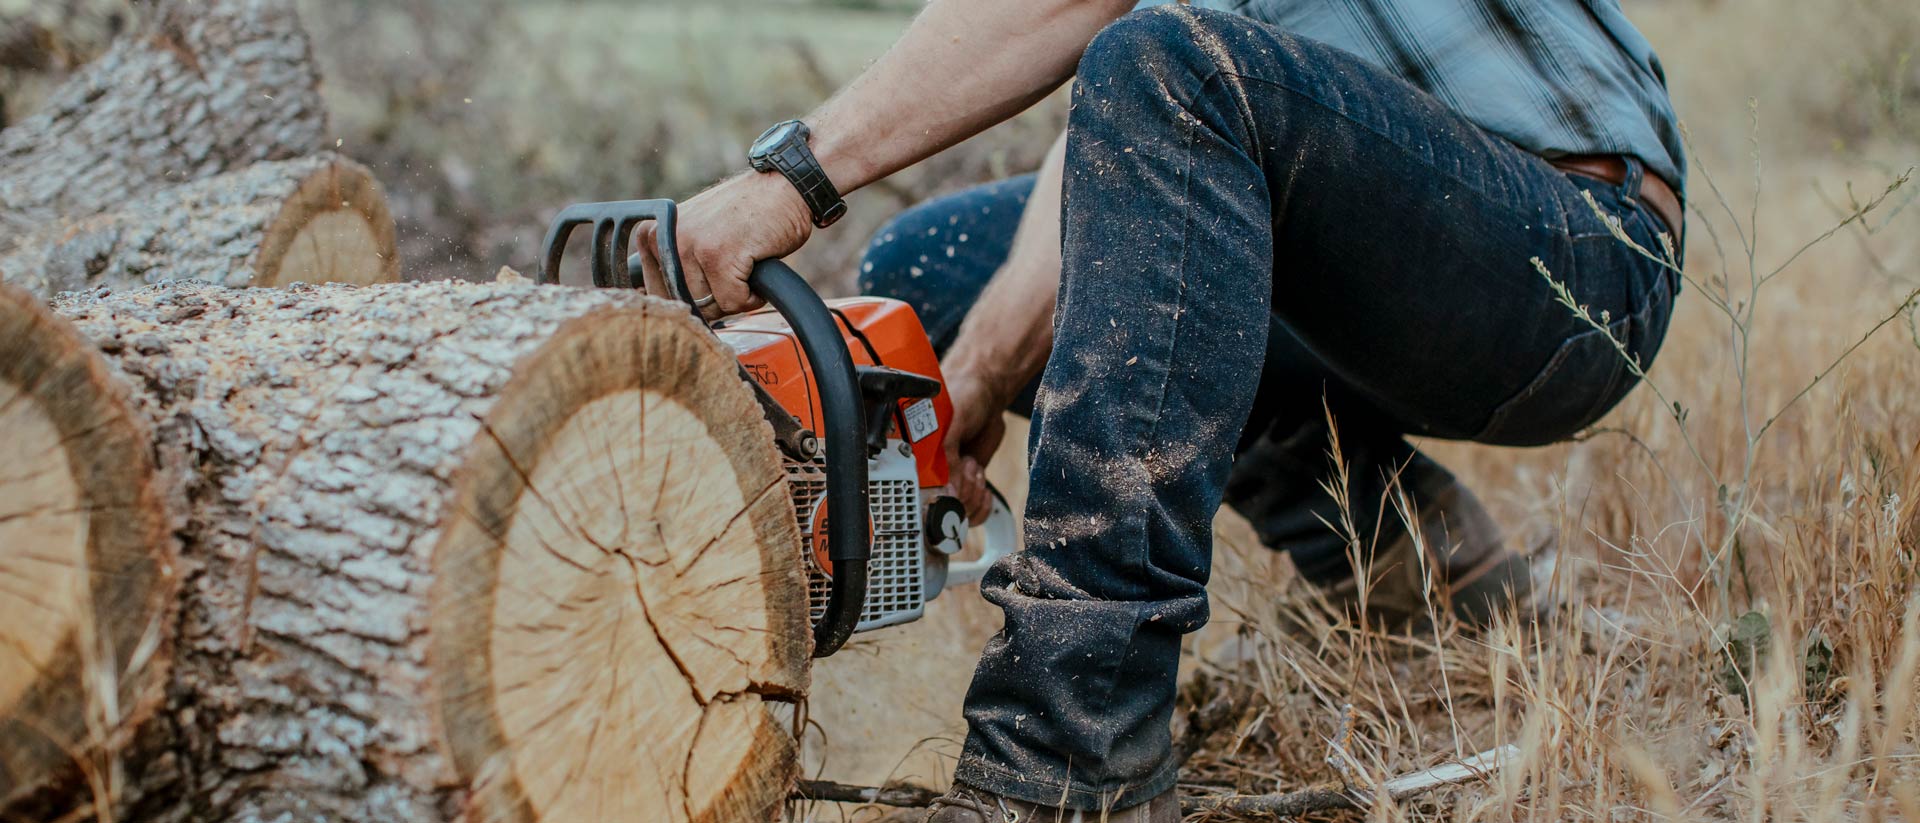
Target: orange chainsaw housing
{"type": "Point", "coordinates": [771, 353]}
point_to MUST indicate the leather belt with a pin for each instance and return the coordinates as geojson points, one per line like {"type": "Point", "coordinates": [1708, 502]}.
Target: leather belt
{"type": "Point", "coordinates": [1613, 169]}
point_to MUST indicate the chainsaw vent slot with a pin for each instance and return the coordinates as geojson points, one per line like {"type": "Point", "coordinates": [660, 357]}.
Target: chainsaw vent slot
{"type": "Point", "coordinates": [895, 571]}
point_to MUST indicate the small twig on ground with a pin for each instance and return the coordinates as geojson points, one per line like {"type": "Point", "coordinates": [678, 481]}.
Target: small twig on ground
{"type": "Point", "coordinates": [1326, 797]}
{"type": "Point", "coordinates": [904, 795]}
{"type": "Point", "coordinates": [1202, 722]}
{"type": "Point", "coordinates": [1322, 798]}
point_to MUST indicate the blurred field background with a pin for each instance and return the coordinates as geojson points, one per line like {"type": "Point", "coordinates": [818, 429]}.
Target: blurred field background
{"type": "Point", "coordinates": [1744, 642]}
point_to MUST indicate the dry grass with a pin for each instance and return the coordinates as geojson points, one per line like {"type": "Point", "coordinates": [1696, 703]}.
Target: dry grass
{"type": "Point", "coordinates": [1646, 705]}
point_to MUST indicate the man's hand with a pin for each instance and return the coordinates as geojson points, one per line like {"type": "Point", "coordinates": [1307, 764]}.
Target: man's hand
{"type": "Point", "coordinates": [973, 436]}
{"type": "Point", "coordinates": [724, 231]}
{"type": "Point", "coordinates": [1005, 339]}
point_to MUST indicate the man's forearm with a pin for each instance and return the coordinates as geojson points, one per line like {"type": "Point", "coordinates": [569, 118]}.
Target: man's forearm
{"type": "Point", "coordinates": [1008, 333]}
{"type": "Point", "coordinates": [963, 65]}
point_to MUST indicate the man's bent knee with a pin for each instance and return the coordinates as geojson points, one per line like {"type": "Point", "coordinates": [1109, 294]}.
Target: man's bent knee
{"type": "Point", "coordinates": [1155, 39]}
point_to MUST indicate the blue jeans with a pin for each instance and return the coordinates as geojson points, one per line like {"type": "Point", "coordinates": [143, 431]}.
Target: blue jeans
{"type": "Point", "coordinates": [1255, 224]}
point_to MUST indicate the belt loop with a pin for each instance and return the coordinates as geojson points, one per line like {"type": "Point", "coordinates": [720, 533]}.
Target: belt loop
{"type": "Point", "coordinates": [1636, 177]}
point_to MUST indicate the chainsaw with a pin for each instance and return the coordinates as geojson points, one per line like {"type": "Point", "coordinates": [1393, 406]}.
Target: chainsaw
{"type": "Point", "coordinates": [853, 392]}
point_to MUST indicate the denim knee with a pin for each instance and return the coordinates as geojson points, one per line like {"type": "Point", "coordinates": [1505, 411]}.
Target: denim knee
{"type": "Point", "coordinates": [1144, 43]}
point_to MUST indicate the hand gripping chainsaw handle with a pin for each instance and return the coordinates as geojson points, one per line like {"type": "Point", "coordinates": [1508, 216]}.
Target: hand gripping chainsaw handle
{"type": "Point", "coordinates": [848, 542]}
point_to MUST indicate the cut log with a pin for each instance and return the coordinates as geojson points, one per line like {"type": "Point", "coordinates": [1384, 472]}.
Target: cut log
{"type": "Point", "coordinates": [480, 552]}
{"type": "Point", "coordinates": [318, 219]}
{"type": "Point", "coordinates": [199, 88]}
{"type": "Point", "coordinates": [86, 568]}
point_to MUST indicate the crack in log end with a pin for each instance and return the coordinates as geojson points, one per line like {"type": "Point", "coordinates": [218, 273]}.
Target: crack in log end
{"type": "Point", "coordinates": [47, 520]}
{"type": "Point", "coordinates": [603, 674]}
{"type": "Point", "coordinates": [639, 595]}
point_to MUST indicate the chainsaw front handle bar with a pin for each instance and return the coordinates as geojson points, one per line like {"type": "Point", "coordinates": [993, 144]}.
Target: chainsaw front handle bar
{"type": "Point", "coordinates": [613, 224]}
{"type": "Point", "coordinates": [849, 543]}
{"type": "Point", "coordinates": [844, 418]}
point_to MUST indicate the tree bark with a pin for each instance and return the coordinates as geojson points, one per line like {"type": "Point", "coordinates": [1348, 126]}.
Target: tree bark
{"type": "Point", "coordinates": [460, 552]}
{"type": "Point", "coordinates": [201, 87]}
{"type": "Point", "coordinates": [317, 219]}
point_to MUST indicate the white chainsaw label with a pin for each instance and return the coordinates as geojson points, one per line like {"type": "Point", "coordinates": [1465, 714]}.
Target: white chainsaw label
{"type": "Point", "coordinates": [921, 421]}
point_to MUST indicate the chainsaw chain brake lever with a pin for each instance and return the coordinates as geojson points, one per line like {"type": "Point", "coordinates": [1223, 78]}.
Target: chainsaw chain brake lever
{"type": "Point", "coordinates": [843, 414]}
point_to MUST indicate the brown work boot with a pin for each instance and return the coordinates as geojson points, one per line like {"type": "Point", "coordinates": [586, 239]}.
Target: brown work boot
{"type": "Point", "coordinates": [1463, 565]}
{"type": "Point", "coordinates": [966, 804]}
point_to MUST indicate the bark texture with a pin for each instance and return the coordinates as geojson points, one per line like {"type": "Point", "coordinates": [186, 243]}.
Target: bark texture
{"type": "Point", "coordinates": [316, 219]}
{"type": "Point", "coordinates": [201, 87]}
{"type": "Point", "coordinates": [86, 562]}
{"type": "Point", "coordinates": [460, 552]}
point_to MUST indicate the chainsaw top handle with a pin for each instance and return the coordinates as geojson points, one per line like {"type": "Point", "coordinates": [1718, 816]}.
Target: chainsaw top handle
{"type": "Point", "coordinates": [843, 414]}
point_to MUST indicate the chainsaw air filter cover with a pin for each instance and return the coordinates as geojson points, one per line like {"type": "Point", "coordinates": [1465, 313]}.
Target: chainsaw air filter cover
{"type": "Point", "coordinates": [896, 571]}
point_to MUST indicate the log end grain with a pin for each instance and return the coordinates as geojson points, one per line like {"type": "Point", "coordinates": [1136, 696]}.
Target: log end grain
{"type": "Point", "coordinates": [86, 564]}
{"type": "Point", "coordinates": [334, 228]}
{"type": "Point", "coordinates": [618, 598]}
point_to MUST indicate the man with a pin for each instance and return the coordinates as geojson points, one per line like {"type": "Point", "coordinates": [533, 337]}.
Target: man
{"type": "Point", "coordinates": [1253, 219]}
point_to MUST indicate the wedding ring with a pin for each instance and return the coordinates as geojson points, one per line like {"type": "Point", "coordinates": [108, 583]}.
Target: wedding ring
{"type": "Point", "coordinates": [703, 302]}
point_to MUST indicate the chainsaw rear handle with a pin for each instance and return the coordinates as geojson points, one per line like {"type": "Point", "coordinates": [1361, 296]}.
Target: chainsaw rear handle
{"type": "Point", "coordinates": [999, 538]}
{"type": "Point", "coordinates": [843, 417]}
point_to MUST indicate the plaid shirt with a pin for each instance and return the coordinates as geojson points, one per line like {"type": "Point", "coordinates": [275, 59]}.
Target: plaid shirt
{"type": "Point", "coordinates": [1555, 77]}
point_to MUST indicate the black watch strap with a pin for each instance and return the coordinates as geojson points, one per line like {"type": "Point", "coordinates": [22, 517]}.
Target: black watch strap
{"type": "Point", "coordinates": [795, 161]}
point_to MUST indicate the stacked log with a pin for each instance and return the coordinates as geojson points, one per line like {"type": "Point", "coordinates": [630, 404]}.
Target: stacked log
{"type": "Point", "coordinates": [424, 552]}
{"type": "Point", "coordinates": [473, 552]}
{"type": "Point", "coordinates": [158, 161]}
{"type": "Point", "coordinates": [201, 87]}
{"type": "Point", "coordinates": [319, 219]}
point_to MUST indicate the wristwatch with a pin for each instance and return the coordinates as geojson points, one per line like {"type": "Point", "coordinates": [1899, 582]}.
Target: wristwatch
{"type": "Point", "coordinates": [783, 148]}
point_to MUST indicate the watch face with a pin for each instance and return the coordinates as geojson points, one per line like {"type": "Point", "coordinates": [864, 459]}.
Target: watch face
{"type": "Point", "coordinates": [772, 139]}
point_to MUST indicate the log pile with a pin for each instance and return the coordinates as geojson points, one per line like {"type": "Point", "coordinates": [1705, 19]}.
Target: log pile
{"type": "Point", "coordinates": [156, 161]}
{"type": "Point", "coordinates": [373, 552]}
{"type": "Point", "coordinates": [474, 552]}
